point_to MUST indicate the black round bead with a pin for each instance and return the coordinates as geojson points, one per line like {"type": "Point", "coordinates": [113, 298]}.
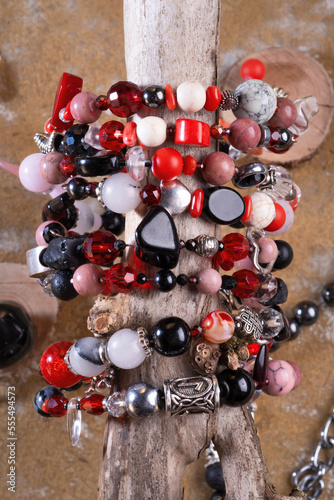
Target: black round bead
{"type": "Point", "coordinates": [76, 188]}
{"type": "Point", "coordinates": [214, 477]}
{"type": "Point", "coordinates": [61, 285]}
{"type": "Point", "coordinates": [120, 245]}
{"type": "Point", "coordinates": [228, 282]}
{"type": "Point", "coordinates": [115, 223]}
{"type": "Point", "coordinates": [285, 255]}
{"type": "Point", "coordinates": [141, 279]}
{"type": "Point", "coordinates": [73, 141]}
{"type": "Point", "coordinates": [218, 495]}
{"type": "Point", "coordinates": [171, 336]}
{"type": "Point", "coordinates": [328, 294]}
{"type": "Point", "coordinates": [43, 394]}
{"type": "Point", "coordinates": [191, 245]}
{"type": "Point", "coordinates": [164, 280]}
{"type": "Point", "coordinates": [16, 334]}
{"type": "Point", "coordinates": [281, 294]}
{"type": "Point", "coordinates": [275, 346]}
{"type": "Point", "coordinates": [53, 230]}
{"type": "Point", "coordinates": [153, 96]}
{"type": "Point", "coordinates": [294, 328]}
{"type": "Point", "coordinates": [221, 246]}
{"type": "Point", "coordinates": [306, 312]}
{"type": "Point", "coordinates": [236, 387]}
{"type": "Point", "coordinates": [182, 280]}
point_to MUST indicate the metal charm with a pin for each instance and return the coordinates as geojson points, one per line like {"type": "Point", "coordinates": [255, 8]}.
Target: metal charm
{"type": "Point", "coordinates": [253, 235]}
{"type": "Point", "coordinates": [229, 100]}
{"type": "Point", "coordinates": [250, 175]}
{"type": "Point", "coordinates": [211, 454]}
{"type": "Point", "coordinates": [248, 324]}
{"type": "Point", "coordinates": [46, 142]}
{"type": "Point", "coordinates": [206, 246]}
{"type": "Point", "coordinates": [191, 395]}
{"type": "Point", "coordinates": [279, 183]}
{"type": "Point", "coordinates": [102, 382]}
{"type": "Point", "coordinates": [144, 341]}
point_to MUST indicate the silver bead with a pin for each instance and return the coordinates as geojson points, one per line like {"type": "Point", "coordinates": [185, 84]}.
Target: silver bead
{"type": "Point", "coordinates": [279, 91]}
{"type": "Point", "coordinates": [250, 175]}
{"type": "Point", "coordinates": [175, 197]}
{"type": "Point", "coordinates": [278, 184]}
{"type": "Point", "coordinates": [206, 246]}
{"type": "Point", "coordinates": [248, 324]}
{"type": "Point", "coordinates": [142, 400]}
{"type": "Point", "coordinates": [144, 341]}
{"type": "Point", "coordinates": [35, 268]}
{"type": "Point", "coordinates": [45, 142]}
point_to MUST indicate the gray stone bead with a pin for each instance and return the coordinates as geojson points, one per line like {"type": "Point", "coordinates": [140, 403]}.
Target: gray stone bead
{"type": "Point", "coordinates": [257, 101]}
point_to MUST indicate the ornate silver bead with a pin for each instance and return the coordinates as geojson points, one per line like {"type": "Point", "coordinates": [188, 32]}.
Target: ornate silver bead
{"type": "Point", "coordinates": [144, 341]}
{"type": "Point", "coordinates": [229, 100]}
{"type": "Point", "coordinates": [45, 142]}
{"type": "Point", "coordinates": [206, 246]}
{"type": "Point", "coordinates": [248, 324]}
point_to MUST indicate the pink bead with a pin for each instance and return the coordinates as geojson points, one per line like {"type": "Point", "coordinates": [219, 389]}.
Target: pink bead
{"type": "Point", "coordinates": [245, 263]}
{"type": "Point", "coordinates": [281, 377]}
{"type": "Point", "coordinates": [290, 216]}
{"type": "Point", "coordinates": [244, 134]}
{"type": "Point", "coordinates": [285, 114]}
{"type": "Point", "coordinates": [49, 168]}
{"type": "Point", "coordinates": [13, 169]}
{"type": "Point", "coordinates": [218, 168]}
{"type": "Point", "coordinates": [298, 374]}
{"type": "Point", "coordinates": [86, 280]}
{"type": "Point", "coordinates": [92, 136]}
{"type": "Point", "coordinates": [83, 108]}
{"type": "Point", "coordinates": [30, 175]}
{"type": "Point", "coordinates": [209, 281]}
{"type": "Point", "coordinates": [39, 233]}
{"type": "Point", "coordinates": [268, 250]}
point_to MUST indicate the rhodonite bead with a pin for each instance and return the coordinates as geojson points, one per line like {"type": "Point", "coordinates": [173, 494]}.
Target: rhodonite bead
{"type": "Point", "coordinates": [84, 357]}
{"type": "Point", "coordinates": [209, 281]}
{"type": "Point", "coordinates": [236, 387]}
{"type": "Point", "coordinates": [152, 131]}
{"type": "Point", "coordinates": [153, 96]}
{"type": "Point", "coordinates": [191, 96]}
{"type": "Point", "coordinates": [218, 327]}
{"type": "Point", "coordinates": [54, 368]}
{"type": "Point", "coordinates": [86, 280]}
{"type": "Point", "coordinates": [244, 134]}
{"type": "Point", "coordinates": [213, 97]}
{"type": "Point", "coordinates": [167, 164]}
{"type": "Point", "coordinates": [257, 100]}
{"type": "Point", "coordinates": [124, 99]}
{"type": "Point", "coordinates": [268, 250]}
{"type": "Point", "coordinates": [120, 278]}
{"type": "Point", "coordinates": [263, 210]}
{"type": "Point", "coordinates": [281, 378]}
{"type": "Point", "coordinates": [247, 284]}
{"type": "Point", "coordinates": [252, 69]}
{"type": "Point", "coordinates": [124, 349]}
{"type": "Point", "coordinates": [143, 400]}
{"type": "Point", "coordinates": [30, 175]}
{"type": "Point", "coordinates": [121, 193]}
{"type": "Point", "coordinates": [192, 133]}
{"type": "Point", "coordinates": [171, 336]}
{"type": "Point", "coordinates": [56, 406]}
{"type": "Point", "coordinates": [111, 136]}
{"type": "Point", "coordinates": [49, 168]}
{"type": "Point", "coordinates": [223, 205]}
{"type": "Point", "coordinates": [285, 114]}
{"type": "Point", "coordinates": [218, 168]}
{"type": "Point", "coordinates": [62, 285]}
{"type": "Point", "coordinates": [42, 395]}
{"type": "Point", "coordinates": [130, 134]}
{"type": "Point", "coordinates": [83, 108]}
{"type": "Point", "coordinates": [99, 248]}
{"type": "Point", "coordinates": [93, 404]}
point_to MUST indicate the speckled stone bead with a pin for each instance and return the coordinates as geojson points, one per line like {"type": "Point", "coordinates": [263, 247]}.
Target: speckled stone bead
{"type": "Point", "coordinates": [218, 168]}
{"type": "Point", "coordinates": [83, 108]}
{"type": "Point", "coordinates": [84, 357]}
{"type": "Point", "coordinates": [281, 377]}
{"type": "Point", "coordinates": [191, 96]}
{"type": "Point", "coordinates": [49, 168]}
{"type": "Point", "coordinates": [257, 101]}
{"type": "Point", "coordinates": [152, 131]}
{"type": "Point", "coordinates": [244, 134]}
{"type": "Point", "coordinates": [263, 211]}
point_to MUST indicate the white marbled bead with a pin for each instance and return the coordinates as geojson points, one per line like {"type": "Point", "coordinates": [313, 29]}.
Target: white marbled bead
{"type": "Point", "coordinates": [84, 357]}
{"type": "Point", "coordinates": [121, 193]}
{"type": "Point", "coordinates": [263, 210]}
{"type": "Point", "coordinates": [257, 101]}
{"type": "Point", "coordinates": [124, 349]}
{"type": "Point", "coordinates": [152, 131]}
{"type": "Point", "coordinates": [191, 96]}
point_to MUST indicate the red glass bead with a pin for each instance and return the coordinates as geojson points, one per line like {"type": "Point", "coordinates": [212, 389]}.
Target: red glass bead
{"type": "Point", "coordinates": [213, 98]}
{"type": "Point", "coordinates": [218, 132]}
{"type": "Point", "coordinates": [92, 404]}
{"type": "Point", "coordinates": [197, 332]}
{"type": "Point", "coordinates": [236, 247]}
{"type": "Point", "coordinates": [69, 86]}
{"type": "Point", "coordinates": [196, 204]}
{"type": "Point", "coordinates": [102, 102]}
{"type": "Point", "coordinates": [279, 220]}
{"type": "Point", "coordinates": [130, 134]}
{"type": "Point", "coordinates": [56, 406]}
{"type": "Point", "coordinates": [67, 166]}
{"type": "Point", "coordinates": [170, 97]}
{"type": "Point", "coordinates": [99, 248]}
{"type": "Point", "coordinates": [247, 284]}
{"type": "Point", "coordinates": [255, 347]}
{"type": "Point", "coordinates": [248, 208]}
{"type": "Point", "coordinates": [121, 278]}
{"type": "Point", "coordinates": [48, 127]}
{"type": "Point", "coordinates": [252, 69]}
{"type": "Point", "coordinates": [150, 195]}
{"type": "Point", "coordinates": [111, 135]}
{"type": "Point", "coordinates": [67, 115]}
{"type": "Point", "coordinates": [192, 133]}
{"type": "Point", "coordinates": [125, 99]}
{"type": "Point", "coordinates": [220, 260]}
{"type": "Point", "coordinates": [189, 165]}
{"type": "Point", "coordinates": [53, 367]}
{"type": "Point", "coordinates": [167, 164]}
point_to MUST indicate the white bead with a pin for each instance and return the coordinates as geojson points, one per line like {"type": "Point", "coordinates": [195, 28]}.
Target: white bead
{"type": "Point", "coordinates": [85, 220]}
{"type": "Point", "coordinates": [152, 131]}
{"type": "Point", "coordinates": [257, 101]}
{"type": "Point", "coordinates": [124, 349]}
{"type": "Point", "coordinates": [191, 96]}
{"type": "Point", "coordinates": [84, 357]}
{"type": "Point", "coordinates": [30, 175]}
{"type": "Point", "coordinates": [263, 210]}
{"type": "Point", "coordinates": [120, 193]}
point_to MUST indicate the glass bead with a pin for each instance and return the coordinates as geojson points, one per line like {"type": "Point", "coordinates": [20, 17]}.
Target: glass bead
{"type": "Point", "coordinates": [56, 406]}
{"type": "Point", "coordinates": [100, 165]}
{"type": "Point", "coordinates": [236, 387]}
{"type": "Point", "coordinates": [92, 404]}
{"type": "Point", "coordinates": [124, 99]}
{"type": "Point", "coordinates": [306, 312]}
{"type": "Point", "coordinates": [69, 85]}
{"type": "Point", "coordinates": [254, 347]}
{"type": "Point", "coordinates": [102, 103]}
{"type": "Point", "coordinates": [182, 279]}
{"type": "Point", "coordinates": [111, 136]}
{"type": "Point", "coordinates": [268, 288]}
{"type": "Point", "coordinates": [136, 162]}
{"type": "Point", "coordinates": [99, 248]}
{"type": "Point", "coordinates": [281, 294]}
{"type": "Point", "coordinates": [252, 69]}
{"type": "Point", "coordinates": [42, 395]}
{"type": "Point", "coordinates": [281, 140]}
{"type": "Point", "coordinates": [121, 193]}
{"type": "Point", "coordinates": [164, 280]}
{"type": "Point", "coordinates": [295, 202]}
{"type": "Point", "coordinates": [125, 350]}
{"type": "Point", "coordinates": [219, 260]}
{"type": "Point", "coordinates": [73, 141]}
{"type": "Point", "coordinates": [67, 166]}
{"type": "Point", "coordinates": [92, 136]}
{"type": "Point", "coordinates": [247, 284]}
{"type": "Point", "coordinates": [261, 366]}
{"type": "Point", "coordinates": [53, 367]}
{"type": "Point", "coordinates": [141, 279]}
{"type": "Point", "coordinates": [282, 185]}
{"type": "Point", "coordinates": [196, 332]}
{"type": "Point", "coordinates": [150, 195]}
{"type": "Point", "coordinates": [236, 247]}
{"type": "Point", "coordinates": [218, 132]}
{"type": "Point", "coordinates": [73, 421]}
{"type": "Point", "coordinates": [272, 322]}
{"type": "Point", "coordinates": [115, 223]}
{"type": "Point", "coordinates": [49, 230]}
{"type": "Point", "coordinates": [257, 101]}
{"type": "Point", "coordinates": [121, 278]}
{"type": "Point", "coordinates": [130, 134]}
{"type": "Point", "coordinates": [115, 404]}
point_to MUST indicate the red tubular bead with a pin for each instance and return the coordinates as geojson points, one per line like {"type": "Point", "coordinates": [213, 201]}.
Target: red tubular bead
{"type": "Point", "coordinates": [279, 220]}
{"type": "Point", "coordinates": [213, 98]}
{"type": "Point", "coordinates": [92, 404]}
{"type": "Point", "coordinates": [167, 164]}
{"type": "Point", "coordinates": [248, 209]}
{"type": "Point", "coordinates": [192, 133]}
{"type": "Point", "coordinates": [56, 406]}
{"type": "Point", "coordinates": [130, 134]}
{"type": "Point", "coordinates": [196, 205]}
{"type": "Point", "coordinates": [189, 165]}
{"type": "Point", "coordinates": [170, 97]}
{"type": "Point", "coordinates": [69, 86]}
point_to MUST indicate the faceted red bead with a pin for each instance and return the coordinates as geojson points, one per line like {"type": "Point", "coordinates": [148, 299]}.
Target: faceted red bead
{"type": "Point", "coordinates": [196, 204]}
{"type": "Point", "coordinates": [219, 260]}
{"type": "Point", "coordinates": [111, 136]}
{"type": "Point", "coordinates": [189, 165]}
{"type": "Point", "coordinates": [130, 134]}
{"type": "Point", "coordinates": [170, 97]}
{"type": "Point", "coordinates": [92, 404]}
{"type": "Point", "coordinates": [53, 367]}
{"type": "Point", "coordinates": [121, 278]}
{"type": "Point", "coordinates": [192, 133]}
{"type": "Point", "coordinates": [150, 195]}
{"type": "Point", "coordinates": [67, 166]}
{"type": "Point", "coordinates": [56, 406]}
{"type": "Point", "coordinates": [252, 69]}
{"type": "Point", "coordinates": [218, 132]}
{"type": "Point", "coordinates": [196, 332]}
{"type": "Point", "coordinates": [125, 99]}
{"type": "Point", "coordinates": [102, 102]}
{"type": "Point", "coordinates": [213, 98]}
{"type": "Point", "coordinates": [236, 247]}
{"type": "Point", "coordinates": [99, 248]}
{"type": "Point", "coordinates": [69, 86]}
{"type": "Point", "coordinates": [167, 164]}
{"type": "Point", "coordinates": [247, 284]}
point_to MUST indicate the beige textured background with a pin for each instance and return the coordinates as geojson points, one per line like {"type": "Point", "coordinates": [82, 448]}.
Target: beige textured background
{"type": "Point", "coordinates": [38, 41]}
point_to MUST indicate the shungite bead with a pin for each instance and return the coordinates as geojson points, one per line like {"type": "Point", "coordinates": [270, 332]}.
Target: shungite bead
{"type": "Point", "coordinates": [76, 188]}
{"type": "Point", "coordinates": [153, 96]}
{"type": "Point", "coordinates": [141, 279]}
{"type": "Point", "coordinates": [16, 334]}
{"type": "Point", "coordinates": [53, 230]}
{"type": "Point", "coordinates": [294, 328]}
{"type": "Point", "coordinates": [182, 279]}
{"type": "Point", "coordinates": [223, 205]}
{"type": "Point", "coordinates": [214, 477]}
{"type": "Point", "coordinates": [42, 395]}
{"type": "Point", "coordinates": [306, 312]}
{"type": "Point", "coordinates": [281, 294]}
{"type": "Point", "coordinates": [228, 282]}
{"type": "Point", "coordinates": [93, 166]}
{"type": "Point", "coordinates": [285, 255]}
{"type": "Point", "coordinates": [73, 141]}
{"type": "Point", "coordinates": [218, 495]}
{"type": "Point", "coordinates": [164, 280]}
{"type": "Point", "coordinates": [171, 336]}
{"type": "Point", "coordinates": [328, 294]}
{"type": "Point", "coordinates": [61, 285]}
{"type": "Point", "coordinates": [236, 387]}
{"type": "Point", "coordinates": [64, 253]}
{"type": "Point", "coordinates": [115, 223]}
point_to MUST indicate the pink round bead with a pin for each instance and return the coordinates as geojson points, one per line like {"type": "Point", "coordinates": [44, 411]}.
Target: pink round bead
{"type": "Point", "coordinates": [290, 217]}
{"type": "Point", "coordinates": [268, 250]}
{"type": "Point", "coordinates": [298, 374]}
{"type": "Point", "coordinates": [86, 280]}
{"type": "Point", "coordinates": [49, 168]}
{"type": "Point", "coordinates": [39, 232]}
{"type": "Point", "coordinates": [218, 168]}
{"type": "Point", "coordinates": [244, 134]}
{"type": "Point", "coordinates": [83, 108]}
{"type": "Point", "coordinates": [209, 281]}
{"type": "Point", "coordinates": [30, 175]}
{"type": "Point", "coordinates": [281, 377]}
{"type": "Point", "coordinates": [285, 114]}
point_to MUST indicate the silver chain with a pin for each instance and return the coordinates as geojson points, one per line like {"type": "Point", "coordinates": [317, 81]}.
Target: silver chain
{"type": "Point", "coordinates": [309, 478]}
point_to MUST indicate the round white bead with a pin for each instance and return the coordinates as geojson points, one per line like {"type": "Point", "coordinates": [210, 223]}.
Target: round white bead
{"type": "Point", "coordinates": [191, 96]}
{"type": "Point", "coordinates": [84, 357]}
{"type": "Point", "coordinates": [124, 349]}
{"type": "Point", "coordinates": [120, 193]}
{"type": "Point", "coordinates": [257, 101]}
{"type": "Point", "coordinates": [263, 211]}
{"type": "Point", "coordinates": [152, 131]}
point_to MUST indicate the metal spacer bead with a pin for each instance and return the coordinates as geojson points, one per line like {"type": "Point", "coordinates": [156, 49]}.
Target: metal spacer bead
{"type": "Point", "coordinates": [229, 100]}
{"type": "Point", "coordinates": [279, 91]}
{"type": "Point", "coordinates": [206, 246]}
{"type": "Point", "coordinates": [144, 341]}
{"type": "Point", "coordinates": [45, 142]}
{"type": "Point", "coordinates": [98, 192]}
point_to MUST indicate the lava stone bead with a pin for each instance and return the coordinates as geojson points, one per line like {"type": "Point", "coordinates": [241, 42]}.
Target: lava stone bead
{"type": "Point", "coordinates": [236, 387]}
{"type": "Point", "coordinates": [328, 294]}
{"type": "Point", "coordinates": [171, 336]}
{"type": "Point", "coordinates": [164, 280]}
{"type": "Point", "coordinates": [61, 285]}
{"type": "Point", "coordinates": [214, 476]}
{"type": "Point", "coordinates": [306, 312]}
{"type": "Point", "coordinates": [285, 255]}
{"type": "Point", "coordinates": [42, 395]}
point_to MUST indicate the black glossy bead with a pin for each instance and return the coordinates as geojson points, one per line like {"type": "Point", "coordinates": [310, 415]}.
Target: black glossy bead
{"type": "Point", "coordinates": [281, 294]}
{"type": "Point", "coordinates": [64, 253]}
{"type": "Point", "coordinates": [221, 246]}
{"type": "Point", "coordinates": [275, 346]}
{"type": "Point", "coordinates": [223, 205]}
{"type": "Point", "coordinates": [294, 328]}
{"type": "Point", "coordinates": [153, 96]}
{"type": "Point", "coordinates": [306, 312]}
{"type": "Point", "coordinates": [182, 280]}
{"type": "Point", "coordinates": [171, 336]}
{"type": "Point", "coordinates": [73, 141]}
{"type": "Point", "coordinates": [58, 144]}
{"type": "Point", "coordinates": [261, 366]}
{"type": "Point", "coordinates": [120, 245]}
{"type": "Point", "coordinates": [76, 188]}
{"type": "Point", "coordinates": [16, 334]}
{"type": "Point", "coordinates": [164, 280]}
{"type": "Point", "coordinates": [228, 282]}
{"type": "Point", "coordinates": [141, 279]}
{"type": "Point", "coordinates": [157, 242]}
{"type": "Point", "coordinates": [283, 142]}
{"type": "Point", "coordinates": [328, 294]}
{"type": "Point", "coordinates": [115, 223]}
{"type": "Point", "coordinates": [214, 477]}
{"type": "Point", "coordinates": [237, 225]}
{"type": "Point", "coordinates": [61, 285]}
{"type": "Point", "coordinates": [61, 209]}
{"type": "Point", "coordinates": [93, 166]}
{"type": "Point", "coordinates": [285, 255]}
{"type": "Point", "coordinates": [236, 387]}
{"type": "Point", "coordinates": [43, 394]}
{"type": "Point", "coordinates": [53, 230]}
{"type": "Point", "coordinates": [218, 495]}
{"type": "Point", "coordinates": [191, 245]}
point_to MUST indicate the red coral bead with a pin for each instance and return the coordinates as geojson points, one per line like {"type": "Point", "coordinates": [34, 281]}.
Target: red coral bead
{"type": "Point", "coordinates": [92, 404]}
{"type": "Point", "coordinates": [170, 97]}
{"type": "Point", "coordinates": [130, 134]}
{"type": "Point", "coordinates": [189, 165]}
{"type": "Point", "coordinates": [247, 284]}
{"type": "Point", "coordinates": [53, 367]}
{"type": "Point", "coordinates": [150, 195]}
{"type": "Point", "coordinates": [121, 278]}
{"type": "Point", "coordinates": [252, 69]}
{"type": "Point", "coordinates": [248, 208]}
{"type": "Point", "coordinates": [99, 248]}
{"type": "Point", "coordinates": [196, 204]}
{"type": "Point", "coordinates": [236, 247]}
{"type": "Point", "coordinates": [56, 406]}
{"type": "Point", "coordinates": [69, 86]}
{"type": "Point", "coordinates": [125, 99]}
{"type": "Point", "coordinates": [167, 164]}
{"type": "Point", "coordinates": [213, 98]}
{"type": "Point", "coordinates": [111, 136]}
{"type": "Point", "coordinates": [279, 220]}
{"type": "Point", "coordinates": [192, 133]}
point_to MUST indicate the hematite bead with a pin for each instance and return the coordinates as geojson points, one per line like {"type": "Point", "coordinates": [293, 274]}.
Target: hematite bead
{"type": "Point", "coordinates": [16, 334]}
{"type": "Point", "coordinates": [143, 400]}
{"type": "Point", "coordinates": [214, 477]}
{"type": "Point", "coordinates": [153, 96]}
{"type": "Point", "coordinates": [306, 312]}
{"type": "Point", "coordinates": [42, 395]}
{"type": "Point", "coordinates": [171, 336]}
{"type": "Point", "coordinates": [294, 328]}
{"type": "Point", "coordinates": [164, 280]}
{"type": "Point", "coordinates": [328, 294]}
{"type": "Point", "coordinates": [236, 387]}
{"type": "Point", "coordinates": [61, 285]}
{"type": "Point", "coordinates": [115, 223]}
{"type": "Point", "coordinates": [285, 255]}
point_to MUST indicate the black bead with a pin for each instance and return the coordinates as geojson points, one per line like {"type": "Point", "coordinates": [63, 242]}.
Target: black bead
{"type": "Point", "coordinates": [221, 246]}
{"type": "Point", "coordinates": [171, 336]}
{"type": "Point", "coordinates": [294, 328]}
{"type": "Point", "coordinates": [236, 387]}
{"type": "Point", "coordinates": [281, 294]}
{"type": "Point", "coordinates": [93, 166]}
{"type": "Point", "coordinates": [218, 495]}
{"type": "Point", "coordinates": [164, 280]}
{"type": "Point", "coordinates": [306, 312]}
{"type": "Point", "coordinates": [73, 141]}
{"type": "Point", "coordinates": [61, 285]}
{"type": "Point", "coordinates": [61, 209]}
{"type": "Point", "coordinates": [115, 223]}
{"type": "Point", "coordinates": [182, 280]}
{"type": "Point", "coordinates": [261, 366]}
{"type": "Point", "coordinates": [285, 255]}
{"type": "Point", "coordinates": [214, 476]}
{"type": "Point", "coordinates": [191, 245]}
{"type": "Point", "coordinates": [228, 282]}
{"type": "Point", "coordinates": [153, 96]}
{"type": "Point", "coordinates": [141, 279]}
{"type": "Point", "coordinates": [43, 394]}
{"type": "Point", "coordinates": [223, 205]}
{"type": "Point", "coordinates": [328, 294]}
{"type": "Point", "coordinates": [76, 188]}
{"type": "Point", "coordinates": [275, 346]}
{"type": "Point", "coordinates": [16, 334]}
{"type": "Point", "coordinates": [58, 143]}
{"type": "Point", "coordinates": [63, 253]}
{"type": "Point", "coordinates": [285, 140]}
{"type": "Point", "coordinates": [237, 225]}
{"type": "Point", "coordinates": [53, 230]}
{"type": "Point", "coordinates": [120, 245]}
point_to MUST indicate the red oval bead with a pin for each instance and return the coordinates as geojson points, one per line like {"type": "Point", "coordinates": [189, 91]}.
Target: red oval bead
{"type": "Point", "coordinates": [99, 247]}
{"type": "Point", "coordinates": [121, 278]}
{"type": "Point", "coordinates": [189, 165]}
{"type": "Point", "coordinates": [252, 68]}
{"type": "Point", "coordinates": [213, 98]}
{"type": "Point", "coordinates": [167, 164]}
{"type": "Point", "coordinates": [196, 205]}
{"type": "Point", "coordinates": [247, 284]}
{"type": "Point", "coordinates": [279, 220]}
{"type": "Point", "coordinates": [111, 135]}
{"type": "Point", "coordinates": [53, 367]}
{"type": "Point", "coordinates": [248, 208]}
{"type": "Point", "coordinates": [170, 97]}
{"type": "Point", "coordinates": [56, 406]}
{"type": "Point", "coordinates": [92, 404]}
{"type": "Point", "coordinates": [192, 133]}
{"type": "Point", "coordinates": [124, 99]}
{"type": "Point", "coordinates": [130, 134]}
